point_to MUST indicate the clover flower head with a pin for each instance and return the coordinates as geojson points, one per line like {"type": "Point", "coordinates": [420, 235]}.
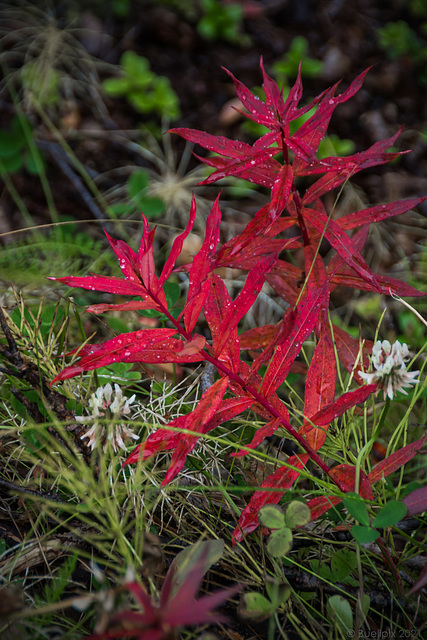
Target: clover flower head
{"type": "Point", "coordinates": [108, 405]}
{"type": "Point", "coordinates": [390, 372]}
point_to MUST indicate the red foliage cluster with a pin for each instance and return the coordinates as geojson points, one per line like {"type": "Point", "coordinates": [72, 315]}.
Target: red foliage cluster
{"type": "Point", "coordinates": [274, 161]}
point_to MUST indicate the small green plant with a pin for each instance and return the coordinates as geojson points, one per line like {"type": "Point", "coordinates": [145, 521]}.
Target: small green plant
{"type": "Point", "coordinates": [222, 22]}
{"type": "Point", "coordinates": [255, 606]}
{"type": "Point", "coordinates": [272, 517]}
{"type": "Point", "coordinates": [147, 92]}
{"type": "Point", "coordinates": [341, 614]}
{"type": "Point", "coordinates": [397, 39]}
{"type": "Point", "coordinates": [366, 530]}
{"type": "Point", "coordinates": [18, 149]}
{"type": "Point", "coordinates": [138, 188]}
{"type": "Point", "coordinates": [287, 67]}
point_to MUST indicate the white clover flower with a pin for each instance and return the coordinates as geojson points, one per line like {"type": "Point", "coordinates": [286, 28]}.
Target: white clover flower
{"type": "Point", "coordinates": [108, 405]}
{"type": "Point", "coordinates": [390, 364]}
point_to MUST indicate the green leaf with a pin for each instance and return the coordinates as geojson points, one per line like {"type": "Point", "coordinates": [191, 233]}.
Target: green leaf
{"type": "Point", "coordinates": [356, 506]}
{"type": "Point", "coordinates": [297, 514]}
{"type": "Point", "coordinates": [12, 163]}
{"type": "Point", "coordinates": [280, 542]}
{"type": "Point", "coordinates": [390, 513]}
{"type": "Point", "coordinates": [343, 562]}
{"type": "Point", "coordinates": [271, 516]}
{"type": "Point", "coordinates": [278, 592]}
{"type": "Point", "coordinates": [137, 67]}
{"type": "Point", "coordinates": [172, 291]}
{"type": "Point", "coordinates": [34, 162]}
{"type": "Point", "coordinates": [10, 142]}
{"type": "Point", "coordinates": [116, 87]}
{"type": "Point", "coordinates": [151, 207]}
{"type": "Point", "coordinates": [137, 182]}
{"type": "Point", "coordinates": [253, 605]}
{"type": "Point", "coordinates": [363, 535]}
{"type": "Point", "coordinates": [339, 610]}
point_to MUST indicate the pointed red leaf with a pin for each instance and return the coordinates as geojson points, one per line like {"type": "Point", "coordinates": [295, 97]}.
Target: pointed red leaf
{"type": "Point", "coordinates": [146, 258]}
{"type": "Point", "coordinates": [307, 313]}
{"type": "Point", "coordinates": [351, 351]}
{"type": "Point", "coordinates": [147, 345]}
{"type": "Point", "coordinates": [258, 337]}
{"type": "Point", "coordinates": [377, 213]}
{"type": "Point", "coordinates": [196, 420]}
{"type": "Point", "coordinates": [340, 169]}
{"type": "Point", "coordinates": [396, 460]}
{"type": "Point", "coordinates": [342, 404]}
{"type": "Point", "coordinates": [283, 478]}
{"type": "Point", "coordinates": [108, 284]}
{"type": "Point", "coordinates": [177, 245]}
{"type": "Point", "coordinates": [133, 305]}
{"type": "Point", "coordinates": [260, 435]}
{"type": "Point", "coordinates": [384, 284]}
{"type": "Point", "coordinates": [281, 191]}
{"type": "Point", "coordinates": [416, 502]}
{"type": "Point", "coordinates": [314, 129]}
{"type": "Point", "coordinates": [319, 389]}
{"type": "Point", "coordinates": [341, 243]}
{"type": "Point", "coordinates": [318, 506]}
{"type": "Point", "coordinates": [200, 269]}
{"type": "Point", "coordinates": [127, 258]}
{"type": "Point", "coordinates": [218, 313]}
{"type": "Point", "coordinates": [345, 477]}
{"type": "Point", "coordinates": [421, 582]}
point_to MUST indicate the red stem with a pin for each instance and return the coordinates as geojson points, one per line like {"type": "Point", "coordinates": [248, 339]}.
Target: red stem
{"type": "Point", "coordinates": [264, 402]}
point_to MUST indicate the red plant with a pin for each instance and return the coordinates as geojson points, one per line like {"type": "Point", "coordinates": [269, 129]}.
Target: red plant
{"type": "Point", "coordinates": [176, 607]}
{"type": "Point", "coordinates": [273, 161]}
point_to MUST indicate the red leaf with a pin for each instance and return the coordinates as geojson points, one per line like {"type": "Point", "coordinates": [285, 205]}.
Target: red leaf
{"type": "Point", "coordinates": [351, 351]}
{"type": "Point", "coordinates": [200, 419]}
{"type": "Point", "coordinates": [341, 243]}
{"type": "Point", "coordinates": [319, 388]}
{"type": "Point", "coordinates": [177, 245]}
{"type": "Point", "coordinates": [342, 404]}
{"type": "Point", "coordinates": [133, 305]}
{"type": "Point", "coordinates": [421, 582]}
{"type": "Point", "coordinates": [305, 319]}
{"type": "Point", "coordinates": [223, 314]}
{"type": "Point", "coordinates": [146, 259]}
{"type": "Point", "coordinates": [217, 313]}
{"type": "Point", "coordinates": [200, 269]}
{"type": "Point", "coordinates": [147, 345]}
{"type": "Point", "coordinates": [416, 502]}
{"type": "Point", "coordinates": [104, 283]}
{"type": "Point", "coordinates": [384, 284]}
{"type": "Point", "coordinates": [345, 474]}
{"type": "Point", "coordinates": [258, 337]}
{"type": "Point", "coordinates": [260, 435]}
{"type": "Point", "coordinates": [283, 478]}
{"type": "Point", "coordinates": [321, 377]}
{"type": "Point", "coordinates": [281, 191]}
{"type": "Point", "coordinates": [340, 169]}
{"type": "Point", "coordinates": [196, 420]}
{"type": "Point", "coordinates": [262, 170]}
{"type": "Point", "coordinates": [318, 506]}
{"type": "Point", "coordinates": [240, 250]}
{"type": "Point", "coordinates": [377, 213]}
{"type": "Point", "coordinates": [314, 129]}
{"type": "Point", "coordinates": [127, 258]}
{"type": "Point", "coordinates": [395, 461]}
